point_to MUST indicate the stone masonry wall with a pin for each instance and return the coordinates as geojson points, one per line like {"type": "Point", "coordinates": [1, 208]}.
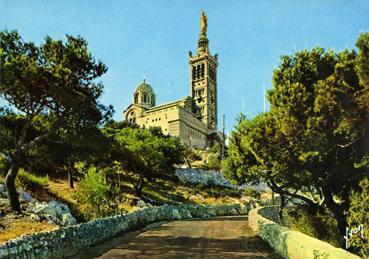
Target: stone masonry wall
{"type": "Point", "coordinates": [204, 177]}
{"type": "Point", "coordinates": [271, 213]}
{"type": "Point", "coordinates": [289, 243]}
{"type": "Point", "coordinates": [67, 241]}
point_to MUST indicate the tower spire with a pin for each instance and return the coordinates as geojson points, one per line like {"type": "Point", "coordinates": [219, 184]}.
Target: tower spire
{"type": "Point", "coordinates": [203, 24]}
{"type": "Point", "coordinates": [203, 44]}
{"type": "Point", "coordinates": [203, 79]}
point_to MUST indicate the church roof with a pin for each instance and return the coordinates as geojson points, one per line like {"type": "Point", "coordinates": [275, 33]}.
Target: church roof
{"type": "Point", "coordinates": [144, 87]}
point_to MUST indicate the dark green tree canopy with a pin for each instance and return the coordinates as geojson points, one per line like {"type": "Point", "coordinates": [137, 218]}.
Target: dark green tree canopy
{"type": "Point", "coordinates": [52, 79]}
{"type": "Point", "coordinates": [314, 140]}
{"type": "Point", "coordinates": [50, 90]}
{"type": "Point", "coordinates": [144, 154]}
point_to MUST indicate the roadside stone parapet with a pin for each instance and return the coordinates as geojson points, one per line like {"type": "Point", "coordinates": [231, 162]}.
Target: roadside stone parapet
{"type": "Point", "coordinates": [203, 177]}
{"type": "Point", "coordinates": [289, 243]}
{"type": "Point", "coordinates": [271, 213]}
{"type": "Point", "coordinates": [67, 241]}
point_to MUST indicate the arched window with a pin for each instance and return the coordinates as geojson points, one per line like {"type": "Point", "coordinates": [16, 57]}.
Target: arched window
{"type": "Point", "coordinates": [153, 100]}
{"type": "Point", "coordinates": [144, 97]}
{"type": "Point", "coordinates": [132, 117]}
{"type": "Point", "coordinates": [136, 98]}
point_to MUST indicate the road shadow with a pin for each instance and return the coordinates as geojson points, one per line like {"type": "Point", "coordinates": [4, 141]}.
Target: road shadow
{"type": "Point", "coordinates": [189, 247]}
{"type": "Point", "coordinates": [162, 240]}
{"type": "Point", "coordinates": [221, 218]}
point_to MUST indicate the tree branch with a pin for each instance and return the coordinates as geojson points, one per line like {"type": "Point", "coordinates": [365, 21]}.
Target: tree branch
{"type": "Point", "coordinates": [280, 190]}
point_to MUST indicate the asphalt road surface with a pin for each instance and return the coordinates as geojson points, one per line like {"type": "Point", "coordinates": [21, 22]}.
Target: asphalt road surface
{"type": "Point", "coordinates": [220, 237]}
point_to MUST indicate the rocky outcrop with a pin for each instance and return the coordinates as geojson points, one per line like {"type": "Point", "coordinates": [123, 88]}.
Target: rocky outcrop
{"type": "Point", "coordinates": [203, 177]}
{"type": "Point", "coordinates": [26, 197]}
{"type": "Point", "coordinates": [142, 204]}
{"type": "Point", "coordinates": [67, 241]}
{"type": "Point", "coordinates": [289, 243]}
{"type": "Point", "coordinates": [3, 193]}
{"type": "Point", "coordinates": [54, 212]}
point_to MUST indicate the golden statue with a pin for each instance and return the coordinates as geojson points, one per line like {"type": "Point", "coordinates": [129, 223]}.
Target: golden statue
{"type": "Point", "coordinates": [203, 23]}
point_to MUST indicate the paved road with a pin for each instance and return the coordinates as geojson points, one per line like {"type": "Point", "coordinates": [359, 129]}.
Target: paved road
{"type": "Point", "coordinates": [220, 237]}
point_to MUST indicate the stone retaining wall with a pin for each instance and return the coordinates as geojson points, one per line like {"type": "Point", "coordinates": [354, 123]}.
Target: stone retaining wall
{"type": "Point", "coordinates": [203, 177]}
{"type": "Point", "coordinates": [67, 241]}
{"type": "Point", "coordinates": [289, 243]}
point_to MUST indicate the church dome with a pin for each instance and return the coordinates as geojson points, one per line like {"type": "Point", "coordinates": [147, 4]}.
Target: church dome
{"type": "Point", "coordinates": [144, 87]}
{"type": "Point", "coordinates": [144, 95]}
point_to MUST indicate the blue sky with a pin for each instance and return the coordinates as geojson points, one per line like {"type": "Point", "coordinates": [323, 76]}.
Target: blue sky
{"type": "Point", "coordinates": [151, 39]}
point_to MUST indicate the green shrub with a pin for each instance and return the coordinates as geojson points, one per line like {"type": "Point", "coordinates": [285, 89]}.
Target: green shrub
{"type": "Point", "coordinates": [250, 192]}
{"type": "Point", "coordinates": [359, 215]}
{"type": "Point", "coordinates": [214, 161]}
{"type": "Point", "coordinates": [96, 194]}
{"type": "Point", "coordinates": [318, 225]}
{"type": "Point", "coordinates": [191, 155]}
{"type": "Point", "coordinates": [30, 181]}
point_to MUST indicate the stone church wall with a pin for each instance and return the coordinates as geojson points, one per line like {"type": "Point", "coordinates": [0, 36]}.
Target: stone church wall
{"type": "Point", "coordinates": [159, 118]}
{"type": "Point", "coordinates": [192, 131]}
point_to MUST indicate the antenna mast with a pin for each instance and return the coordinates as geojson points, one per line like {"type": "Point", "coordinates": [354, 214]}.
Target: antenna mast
{"type": "Point", "coordinates": [264, 98]}
{"type": "Point", "coordinates": [223, 140]}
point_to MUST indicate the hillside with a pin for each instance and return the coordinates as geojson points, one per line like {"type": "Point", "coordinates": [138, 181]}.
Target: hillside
{"type": "Point", "coordinates": [159, 192]}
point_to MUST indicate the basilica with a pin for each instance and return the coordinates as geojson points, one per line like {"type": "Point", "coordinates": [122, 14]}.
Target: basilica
{"type": "Point", "coordinates": [193, 118]}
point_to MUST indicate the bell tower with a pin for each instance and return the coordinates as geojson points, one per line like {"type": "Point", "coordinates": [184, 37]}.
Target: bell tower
{"type": "Point", "coordinates": [203, 79]}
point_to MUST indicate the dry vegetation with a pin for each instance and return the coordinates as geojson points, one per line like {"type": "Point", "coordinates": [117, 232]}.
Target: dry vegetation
{"type": "Point", "coordinates": [11, 228]}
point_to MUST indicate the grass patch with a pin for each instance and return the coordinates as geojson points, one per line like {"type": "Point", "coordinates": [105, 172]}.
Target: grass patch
{"type": "Point", "coordinates": [166, 191]}
{"type": "Point", "coordinates": [124, 207]}
{"type": "Point", "coordinates": [30, 181]}
{"type": "Point", "coordinates": [250, 192]}
{"type": "Point", "coordinates": [318, 225]}
{"type": "Point", "coordinates": [59, 189]}
{"type": "Point", "coordinates": [16, 227]}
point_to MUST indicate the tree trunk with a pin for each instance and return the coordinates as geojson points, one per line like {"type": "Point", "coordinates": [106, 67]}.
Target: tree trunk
{"type": "Point", "coordinates": [273, 197]}
{"type": "Point", "coordinates": [338, 213]}
{"type": "Point", "coordinates": [188, 163]}
{"type": "Point", "coordinates": [283, 203]}
{"type": "Point", "coordinates": [70, 178]}
{"type": "Point", "coordinates": [139, 187]}
{"type": "Point", "coordinates": [119, 184]}
{"type": "Point", "coordinates": [342, 222]}
{"type": "Point", "coordinates": [12, 191]}
{"type": "Point", "coordinates": [138, 190]}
